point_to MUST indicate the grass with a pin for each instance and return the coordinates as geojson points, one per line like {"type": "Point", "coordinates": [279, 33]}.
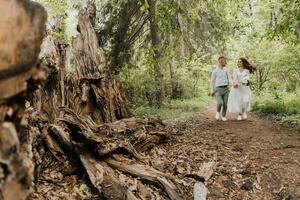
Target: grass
{"type": "Point", "coordinates": [285, 105]}
{"type": "Point", "coordinates": [174, 109]}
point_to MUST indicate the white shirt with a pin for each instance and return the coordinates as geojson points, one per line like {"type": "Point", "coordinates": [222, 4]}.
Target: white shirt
{"type": "Point", "coordinates": [220, 77]}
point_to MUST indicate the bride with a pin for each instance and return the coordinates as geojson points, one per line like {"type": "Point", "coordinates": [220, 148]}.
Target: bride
{"type": "Point", "coordinates": [240, 94]}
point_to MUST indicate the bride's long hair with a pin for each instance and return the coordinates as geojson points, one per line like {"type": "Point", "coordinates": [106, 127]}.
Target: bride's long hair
{"type": "Point", "coordinates": [247, 65]}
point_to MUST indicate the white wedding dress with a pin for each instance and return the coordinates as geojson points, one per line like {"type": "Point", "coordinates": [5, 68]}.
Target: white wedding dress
{"type": "Point", "coordinates": [239, 98]}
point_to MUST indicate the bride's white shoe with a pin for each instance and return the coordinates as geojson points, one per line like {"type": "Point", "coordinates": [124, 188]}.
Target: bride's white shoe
{"type": "Point", "coordinates": [245, 116]}
{"type": "Point", "coordinates": [239, 118]}
{"type": "Point", "coordinates": [218, 116]}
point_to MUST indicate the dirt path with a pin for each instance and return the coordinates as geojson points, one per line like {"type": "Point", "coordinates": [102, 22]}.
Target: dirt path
{"type": "Point", "coordinates": [256, 159]}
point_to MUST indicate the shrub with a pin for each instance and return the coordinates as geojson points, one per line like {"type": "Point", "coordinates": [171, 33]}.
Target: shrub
{"type": "Point", "coordinates": [286, 105]}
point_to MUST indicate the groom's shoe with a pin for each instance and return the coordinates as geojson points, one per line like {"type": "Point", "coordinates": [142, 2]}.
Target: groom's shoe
{"type": "Point", "coordinates": [224, 119]}
{"type": "Point", "coordinates": [218, 116]}
{"type": "Point", "coordinates": [245, 116]}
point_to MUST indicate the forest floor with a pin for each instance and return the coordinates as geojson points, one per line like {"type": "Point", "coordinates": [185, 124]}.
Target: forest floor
{"type": "Point", "coordinates": [255, 159]}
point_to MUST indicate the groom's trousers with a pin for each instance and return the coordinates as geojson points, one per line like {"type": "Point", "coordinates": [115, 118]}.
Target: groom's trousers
{"type": "Point", "coordinates": [222, 93]}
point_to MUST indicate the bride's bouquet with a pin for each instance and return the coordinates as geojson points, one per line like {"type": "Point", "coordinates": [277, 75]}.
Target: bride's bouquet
{"type": "Point", "coordinates": [246, 80]}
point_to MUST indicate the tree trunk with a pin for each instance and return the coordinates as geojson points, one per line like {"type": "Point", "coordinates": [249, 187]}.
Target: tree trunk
{"type": "Point", "coordinates": [182, 48]}
{"type": "Point", "coordinates": [154, 30]}
{"type": "Point", "coordinates": [179, 53]}
{"type": "Point", "coordinates": [174, 81]}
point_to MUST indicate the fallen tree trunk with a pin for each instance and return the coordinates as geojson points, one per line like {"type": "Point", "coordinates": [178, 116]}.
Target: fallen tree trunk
{"type": "Point", "coordinates": [148, 174]}
{"type": "Point", "coordinates": [103, 178]}
{"type": "Point", "coordinates": [93, 146]}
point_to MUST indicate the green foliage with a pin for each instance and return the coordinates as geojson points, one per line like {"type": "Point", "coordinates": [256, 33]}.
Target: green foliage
{"type": "Point", "coordinates": [62, 17]}
{"type": "Point", "coordinates": [281, 103]}
{"type": "Point", "coordinates": [54, 7]}
{"type": "Point", "coordinates": [120, 24]}
{"type": "Point", "coordinates": [56, 10]}
{"type": "Point", "coordinates": [139, 86]}
{"type": "Point", "coordinates": [61, 33]}
{"type": "Point", "coordinates": [175, 109]}
{"type": "Point", "coordinates": [287, 25]}
{"type": "Point", "coordinates": [264, 33]}
{"type": "Point", "coordinates": [192, 35]}
{"type": "Point", "coordinates": [192, 76]}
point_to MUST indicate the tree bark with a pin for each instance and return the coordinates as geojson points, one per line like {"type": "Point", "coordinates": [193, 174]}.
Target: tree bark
{"type": "Point", "coordinates": [22, 26]}
{"type": "Point", "coordinates": [154, 30]}
{"type": "Point", "coordinates": [179, 53]}
{"type": "Point", "coordinates": [88, 88]}
{"type": "Point", "coordinates": [148, 174]}
{"type": "Point", "coordinates": [174, 81]}
{"type": "Point", "coordinates": [182, 48]}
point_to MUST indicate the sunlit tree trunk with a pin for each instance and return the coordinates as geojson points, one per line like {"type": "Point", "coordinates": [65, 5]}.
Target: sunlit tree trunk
{"type": "Point", "coordinates": [179, 53]}
{"type": "Point", "coordinates": [182, 31]}
{"type": "Point", "coordinates": [159, 77]}
{"type": "Point", "coordinates": [174, 81]}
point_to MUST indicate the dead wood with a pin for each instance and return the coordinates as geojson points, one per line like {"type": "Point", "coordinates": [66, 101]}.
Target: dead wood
{"type": "Point", "coordinates": [113, 137]}
{"type": "Point", "coordinates": [55, 148]}
{"type": "Point", "coordinates": [22, 26]}
{"type": "Point", "coordinates": [204, 173]}
{"type": "Point", "coordinates": [19, 46]}
{"type": "Point", "coordinates": [148, 174]}
{"type": "Point", "coordinates": [103, 178]}
{"type": "Point", "coordinates": [93, 146]}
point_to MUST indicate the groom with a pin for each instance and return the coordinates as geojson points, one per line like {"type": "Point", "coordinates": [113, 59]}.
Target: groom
{"type": "Point", "coordinates": [221, 78]}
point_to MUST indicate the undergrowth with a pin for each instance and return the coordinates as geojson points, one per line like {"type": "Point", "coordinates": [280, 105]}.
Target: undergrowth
{"type": "Point", "coordinates": [284, 105]}
{"type": "Point", "coordinates": [174, 109]}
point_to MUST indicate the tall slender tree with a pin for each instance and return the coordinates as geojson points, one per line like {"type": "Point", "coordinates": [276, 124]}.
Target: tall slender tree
{"type": "Point", "coordinates": [155, 41]}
